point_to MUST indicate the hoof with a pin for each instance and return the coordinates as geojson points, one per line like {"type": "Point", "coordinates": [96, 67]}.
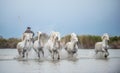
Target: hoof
{"type": "Point", "coordinates": [58, 58]}
{"type": "Point", "coordinates": [105, 56]}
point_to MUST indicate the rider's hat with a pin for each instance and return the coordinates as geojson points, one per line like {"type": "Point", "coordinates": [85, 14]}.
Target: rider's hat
{"type": "Point", "coordinates": [28, 28]}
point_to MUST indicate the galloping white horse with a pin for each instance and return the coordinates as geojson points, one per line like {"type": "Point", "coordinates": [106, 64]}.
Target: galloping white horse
{"type": "Point", "coordinates": [25, 45]}
{"type": "Point", "coordinates": [72, 47]}
{"type": "Point", "coordinates": [40, 43]}
{"type": "Point", "coordinates": [103, 46]}
{"type": "Point", "coordinates": [53, 44]}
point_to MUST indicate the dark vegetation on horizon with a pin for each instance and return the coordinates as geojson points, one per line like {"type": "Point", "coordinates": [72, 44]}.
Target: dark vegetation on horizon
{"type": "Point", "coordinates": [85, 41]}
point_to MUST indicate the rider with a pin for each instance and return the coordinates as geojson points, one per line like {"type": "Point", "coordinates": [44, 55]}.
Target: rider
{"type": "Point", "coordinates": [28, 30]}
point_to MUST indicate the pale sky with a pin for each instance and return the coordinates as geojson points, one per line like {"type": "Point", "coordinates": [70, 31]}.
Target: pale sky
{"type": "Point", "coordinates": [82, 17]}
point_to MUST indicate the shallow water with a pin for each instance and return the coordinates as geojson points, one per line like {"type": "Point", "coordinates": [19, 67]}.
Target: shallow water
{"type": "Point", "coordinates": [84, 62]}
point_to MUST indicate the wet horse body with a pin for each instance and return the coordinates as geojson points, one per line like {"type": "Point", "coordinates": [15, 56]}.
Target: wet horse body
{"type": "Point", "coordinates": [72, 46]}
{"type": "Point", "coordinates": [40, 43]}
{"type": "Point", "coordinates": [56, 49]}
{"type": "Point", "coordinates": [103, 46]}
{"type": "Point", "coordinates": [25, 45]}
{"type": "Point", "coordinates": [53, 45]}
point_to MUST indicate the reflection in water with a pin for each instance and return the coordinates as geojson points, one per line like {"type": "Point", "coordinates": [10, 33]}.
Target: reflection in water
{"type": "Point", "coordinates": [84, 62]}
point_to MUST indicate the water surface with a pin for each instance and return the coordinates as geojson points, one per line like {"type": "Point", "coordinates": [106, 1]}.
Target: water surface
{"type": "Point", "coordinates": [84, 62]}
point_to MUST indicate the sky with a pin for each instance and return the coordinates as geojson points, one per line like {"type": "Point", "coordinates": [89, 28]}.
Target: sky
{"type": "Point", "coordinates": [83, 17]}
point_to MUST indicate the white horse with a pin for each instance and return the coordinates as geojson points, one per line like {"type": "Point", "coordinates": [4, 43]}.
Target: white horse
{"type": "Point", "coordinates": [72, 46]}
{"type": "Point", "coordinates": [53, 44]}
{"type": "Point", "coordinates": [25, 45]}
{"type": "Point", "coordinates": [40, 43]}
{"type": "Point", "coordinates": [103, 46]}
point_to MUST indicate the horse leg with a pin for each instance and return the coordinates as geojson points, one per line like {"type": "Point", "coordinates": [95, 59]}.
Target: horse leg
{"type": "Point", "coordinates": [105, 56]}
{"type": "Point", "coordinates": [96, 52]}
{"type": "Point", "coordinates": [35, 50]}
{"type": "Point", "coordinates": [20, 53]}
{"type": "Point", "coordinates": [41, 49]}
{"type": "Point", "coordinates": [58, 55]}
{"type": "Point", "coordinates": [106, 53]}
{"type": "Point", "coordinates": [27, 55]}
{"type": "Point", "coordinates": [72, 54]}
{"type": "Point", "coordinates": [43, 52]}
{"type": "Point", "coordinates": [39, 54]}
{"type": "Point", "coordinates": [65, 48]}
{"type": "Point", "coordinates": [53, 55]}
{"type": "Point", "coordinates": [23, 53]}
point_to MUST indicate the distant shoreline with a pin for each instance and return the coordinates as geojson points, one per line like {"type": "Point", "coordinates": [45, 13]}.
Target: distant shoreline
{"type": "Point", "coordinates": [84, 41]}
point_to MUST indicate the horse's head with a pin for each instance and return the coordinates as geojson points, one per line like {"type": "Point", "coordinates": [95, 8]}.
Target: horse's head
{"type": "Point", "coordinates": [74, 38]}
{"type": "Point", "coordinates": [105, 40]}
{"type": "Point", "coordinates": [57, 36]}
{"type": "Point", "coordinates": [39, 34]}
{"type": "Point", "coordinates": [51, 35]}
{"type": "Point", "coordinates": [54, 36]}
{"type": "Point", "coordinates": [28, 37]}
{"type": "Point", "coordinates": [105, 37]}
